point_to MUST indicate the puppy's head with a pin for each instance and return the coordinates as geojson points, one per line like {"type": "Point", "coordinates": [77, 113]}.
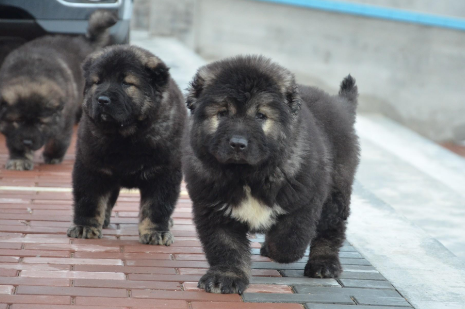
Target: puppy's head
{"type": "Point", "coordinates": [243, 110]}
{"type": "Point", "coordinates": [29, 111]}
{"type": "Point", "coordinates": [124, 86]}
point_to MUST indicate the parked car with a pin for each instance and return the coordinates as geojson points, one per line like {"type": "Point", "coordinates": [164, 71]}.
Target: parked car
{"type": "Point", "coordinates": [29, 19]}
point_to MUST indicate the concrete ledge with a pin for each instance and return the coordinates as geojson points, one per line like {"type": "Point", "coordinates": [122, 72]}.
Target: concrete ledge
{"type": "Point", "coordinates": [427, 274]}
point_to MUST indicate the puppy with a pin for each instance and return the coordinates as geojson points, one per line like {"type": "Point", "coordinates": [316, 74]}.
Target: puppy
{"type": "Point", "coordinates": [130, 136]}
{"type": "Point", "coordinates": [40, 92]}
{"type": "Point", "coordinates": [268, 155]}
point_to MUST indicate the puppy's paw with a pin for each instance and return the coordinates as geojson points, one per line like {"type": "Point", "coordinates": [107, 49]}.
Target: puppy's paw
{"type": "Point", "coordinates": [324, 267]}
{"type": "Point", "coordinates": [157, 238]}
{"type": "Point", "coordinates": [48, 160]}
{"type": "Point", "coordinates": [224, 282]}
{"type": "Point", "coordinates": [79, 231]}
{"type": "Point", "coordinates": [286, 256]}
{"type": "Point", "coordinates": [19, 165]}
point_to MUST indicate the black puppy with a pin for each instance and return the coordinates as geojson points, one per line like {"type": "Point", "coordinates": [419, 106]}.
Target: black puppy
{"type": "Point", "coordinates": [129, 136]}
{"type": "Point", "coordinates": [268, 155]}
{"type": "Point", "coordinates": [41, 91]}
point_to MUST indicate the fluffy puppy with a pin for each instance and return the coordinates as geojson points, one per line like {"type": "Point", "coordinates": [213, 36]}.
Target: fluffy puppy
{"type": "Point", "coordinates": [40, 92]}
{"type": "Point", "coordinates": [129, 136]}
{"type": "Point", "coordinates": [268, 155]}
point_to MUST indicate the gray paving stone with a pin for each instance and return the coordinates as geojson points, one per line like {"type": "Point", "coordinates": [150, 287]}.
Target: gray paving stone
{"type": "Point", "coordinates": [381, 301]}
{"type": "Point", "coordinates": [295, 281]}
{"type": "Point", "coordinates": [297, 298]}
{"type": "Point", "coordinates": [369, 284]}
{"type": "Point", "coordinates": [348, 264]}
{"type": "Point", "coordinates": [344, 275]}
{"type": "Point", "coordinates": [345, 248]}
{"type": "Point", "coordinates": [326, 306]}
{"type": "Point", "coordinates": [351, 292]}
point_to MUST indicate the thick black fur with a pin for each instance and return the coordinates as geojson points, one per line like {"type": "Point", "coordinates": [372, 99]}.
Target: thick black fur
{"type": "Point", "coordinates": [267, 155]}
{"type": "Point", "coordinates": [41, 91]}
{"type": "Point", "coordinates": [131, 138]}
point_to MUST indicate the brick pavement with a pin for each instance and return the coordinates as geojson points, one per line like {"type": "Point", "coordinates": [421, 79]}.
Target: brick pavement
{"type": "Point", "coordinates": [40, 268]}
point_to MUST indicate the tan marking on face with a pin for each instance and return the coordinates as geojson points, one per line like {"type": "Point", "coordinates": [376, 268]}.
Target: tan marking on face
{"type": "Point", "coordinates": [213, 110]}
{"type": "Point", "coordinates": [267, 126]}
{"type": "Point", "coordinates": [146, 226]}
{"type": "Point", "coordinates": [15, 125]}
{"type": "Point", "coordinates": [134, 93]}
{"type": "Point", "coordinates": [212, 124]}
{"type": "Point", "coordinates": [131, 79]}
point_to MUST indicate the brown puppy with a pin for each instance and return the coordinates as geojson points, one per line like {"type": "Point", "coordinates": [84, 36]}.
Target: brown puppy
{"type": "Point", "coordinates": [41, 90]}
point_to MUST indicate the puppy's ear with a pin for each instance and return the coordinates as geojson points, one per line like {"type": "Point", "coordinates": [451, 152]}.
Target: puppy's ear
{"type": "Point", "coordinates": [201, 79]}
{"type": "Point", "coordinates": [291, 92]}
{"type": "Point", "coordinates": [158, 71]}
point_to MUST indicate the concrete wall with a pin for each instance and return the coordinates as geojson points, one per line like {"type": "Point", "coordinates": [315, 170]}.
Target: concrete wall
{"type": "Point", "coordinates": [411, 73]}
{"type": "Point", "coordinates": [166, 18]}
{"type": "Point", "coordinates": [414, 74]}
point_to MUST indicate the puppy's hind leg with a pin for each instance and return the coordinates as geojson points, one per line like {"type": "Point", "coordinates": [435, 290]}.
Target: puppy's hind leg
{"type": "Point", "coordinates": [92, 193]}
{"type": "Point", "coordinates": [288, 239]}
{"type": "Point", "coordinates": [324, 250]}
{"type": "Point", "coordinates": [158, 199]}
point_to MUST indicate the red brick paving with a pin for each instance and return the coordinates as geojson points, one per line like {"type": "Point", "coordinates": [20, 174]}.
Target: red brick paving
{"type": "Point", "coordinates": [40, 268]}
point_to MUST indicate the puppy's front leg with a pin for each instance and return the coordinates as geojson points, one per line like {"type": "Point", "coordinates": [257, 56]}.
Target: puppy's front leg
{"type": "Point", "coordinates": [158, 199]}
{"type": "Point", "coordinates": [92, 195]}
{"type": "Point", "coordinates": [20, 160]}
{"type": "Point", "coordinates": [228, 252]}
{"type": "Point", "coordinates": [288, 239]}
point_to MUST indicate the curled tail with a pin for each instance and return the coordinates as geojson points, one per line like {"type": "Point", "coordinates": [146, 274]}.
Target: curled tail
{"type": "Point", "coordinates": [349, 91]}
{"type": "Point", "coordinates": [97, 31]}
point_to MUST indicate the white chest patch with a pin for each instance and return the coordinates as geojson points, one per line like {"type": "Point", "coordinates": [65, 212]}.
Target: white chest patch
{"type": "Point", "coordinates": [257, 215]}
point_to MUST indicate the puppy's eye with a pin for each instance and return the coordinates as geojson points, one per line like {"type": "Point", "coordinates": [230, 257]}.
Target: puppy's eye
{"type": "Point", "coordinates": [223, 113]}
{"type": "Point", "coordinates": [260, 116]}
{"type": "Point", "coordinates": [127, 84]}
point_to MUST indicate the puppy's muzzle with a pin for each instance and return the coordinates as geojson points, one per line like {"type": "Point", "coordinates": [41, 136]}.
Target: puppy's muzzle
{"type": "Point", "coordinates": [238, 143]}
{"type": "Point", "coordinates": [103, 100]}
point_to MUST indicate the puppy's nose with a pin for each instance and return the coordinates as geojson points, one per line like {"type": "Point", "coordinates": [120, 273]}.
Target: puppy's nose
{"type": "Point", "coordinates": [238, 143]}
{"type": "Point", "coordinates": [27, 142]}
{"type": "Point", "coordinates": [103, 100]}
